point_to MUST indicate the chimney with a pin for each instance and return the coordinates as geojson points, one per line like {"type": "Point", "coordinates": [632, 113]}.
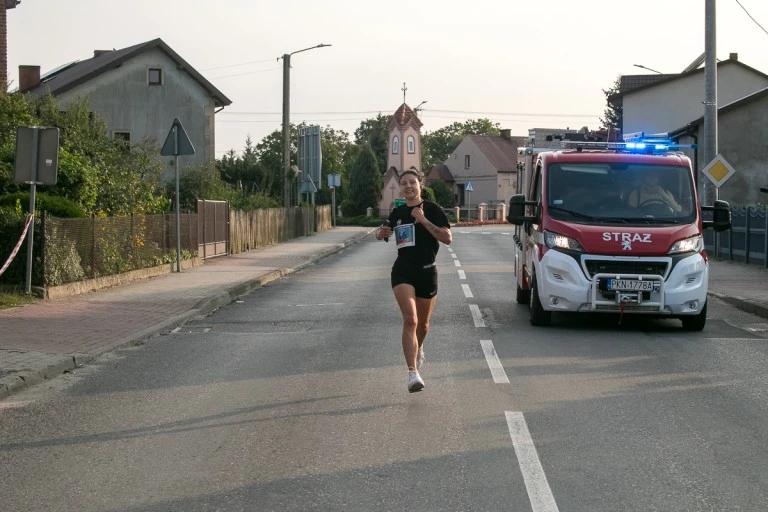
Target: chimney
{"type": "Point", "coordinates": [29, 77]}
{"type": "Point", "coordinates": [506, 134]}
{"type": "Point", "coordinates": [733, 56]}
{"type": "Point", "coordinates": [99, 53]}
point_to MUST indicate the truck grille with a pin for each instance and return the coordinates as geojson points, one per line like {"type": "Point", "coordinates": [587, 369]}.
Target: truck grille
{"type": "Point", "coordinates": [658, 268]}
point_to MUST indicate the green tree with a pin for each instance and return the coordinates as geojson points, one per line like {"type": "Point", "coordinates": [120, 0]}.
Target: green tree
{"type": "Point", "coordinates": [335, 147]}
{"type": "Point", "coordinates": [437, 146]}
{"type": "Point", "coordinates": [365, 183]}
{"type": "Point", "coordinates": [613, 113]}
{"type": "Point", "coordinates": [443, 194]}
{"type": "Point", "coordinates": [270, 154]}
{"type": "Point", "coordinates": [375, 132]}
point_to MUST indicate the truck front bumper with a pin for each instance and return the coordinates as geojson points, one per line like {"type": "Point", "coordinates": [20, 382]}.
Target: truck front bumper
{"type": "Point", "coordinates": [566, 285]}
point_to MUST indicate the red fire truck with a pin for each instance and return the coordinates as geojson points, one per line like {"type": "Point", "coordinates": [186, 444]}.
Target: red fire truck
{"type": "Point", "coordinates": [612, 227]}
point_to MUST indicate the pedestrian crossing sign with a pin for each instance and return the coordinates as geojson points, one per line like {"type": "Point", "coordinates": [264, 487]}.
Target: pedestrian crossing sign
{"type": "Point", "coordinates": [718, 171]}
{"type": "Point", "coordinates": [469, 187]}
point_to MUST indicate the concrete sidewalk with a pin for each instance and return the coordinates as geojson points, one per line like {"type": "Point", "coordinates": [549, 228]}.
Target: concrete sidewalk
{"type": "Point", "coordinates": [42, 340]}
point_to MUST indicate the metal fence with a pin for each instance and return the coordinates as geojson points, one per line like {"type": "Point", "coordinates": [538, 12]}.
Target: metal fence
{"type": "Point", "coordinates": [86, 248]}
{"type": "Point", "coordinates": [746, 241]}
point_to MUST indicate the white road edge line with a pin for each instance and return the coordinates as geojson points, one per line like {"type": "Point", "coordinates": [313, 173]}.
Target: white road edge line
{"type": "Point", "coordinates": [476, 315]}
{"type": "Point", "coordinates": [497, 370]}
{"type": "Point", "coordinates": [456, 262]}
{"type": "Point", "coordinates": [533, 474]}
{"type": "Point", "coordinates": [176, 330]}
{"type": "Point", "coordinates": [462, 275]}
{"type": "Point", "coordinates": [467, 291]}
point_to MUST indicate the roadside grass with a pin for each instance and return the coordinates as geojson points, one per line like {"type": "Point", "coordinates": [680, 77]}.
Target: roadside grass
{"type": "Point", "coordinates": [12, 300]}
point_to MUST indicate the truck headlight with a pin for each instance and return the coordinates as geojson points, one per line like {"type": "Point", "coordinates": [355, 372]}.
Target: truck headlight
{"type": "Point", "coordinates": [557, 241]}
{"type": "Point", "coordinates": [692, 244]}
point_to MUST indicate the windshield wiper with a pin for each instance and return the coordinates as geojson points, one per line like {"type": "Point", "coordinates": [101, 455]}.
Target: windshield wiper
{"type": "Point", "coordinates": [572, 213]}
{"type": "Point", "coordinates": [652, 220]}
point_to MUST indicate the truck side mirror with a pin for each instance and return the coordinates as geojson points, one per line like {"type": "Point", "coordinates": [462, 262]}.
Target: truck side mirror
{"type": "Point", "coordinates": [721, 216]}
{"type": "Point", "coordinates": [516, 210]}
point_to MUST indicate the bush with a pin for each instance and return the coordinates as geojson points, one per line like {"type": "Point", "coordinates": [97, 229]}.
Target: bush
{"type": "Point", "coordinates": [53, 205]}
{"type": "Point", "coordinates": [360, 220]}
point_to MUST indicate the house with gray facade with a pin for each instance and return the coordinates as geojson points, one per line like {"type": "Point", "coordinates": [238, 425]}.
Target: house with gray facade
{"type": "Point", "coordinates": [138, 91]}
{"type": "Point", "coordinates": [488, 162]}
{"type": "Point", "coordinates": [674, 104]}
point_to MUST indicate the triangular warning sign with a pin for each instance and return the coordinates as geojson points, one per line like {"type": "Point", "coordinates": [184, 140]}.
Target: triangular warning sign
{"type": "Point", "coordinates": [177, 142]}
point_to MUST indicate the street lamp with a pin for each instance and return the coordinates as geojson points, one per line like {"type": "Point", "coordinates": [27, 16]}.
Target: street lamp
{"type": "Point", "coordinates": [287, 124]}
{"type": "Point", "coordinates": [649, 69]}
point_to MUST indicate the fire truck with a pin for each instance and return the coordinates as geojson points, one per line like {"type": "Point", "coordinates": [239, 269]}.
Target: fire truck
{"type": "Point", "coordinates": [612, 227]}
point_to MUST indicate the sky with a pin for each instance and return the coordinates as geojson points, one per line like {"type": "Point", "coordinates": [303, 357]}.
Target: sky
{"type": "Point", "coordinates": [522, 64]}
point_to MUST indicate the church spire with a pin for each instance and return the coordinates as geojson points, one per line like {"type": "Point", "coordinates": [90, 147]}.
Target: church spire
{"type": "Point", "coordinates": [404, 89]}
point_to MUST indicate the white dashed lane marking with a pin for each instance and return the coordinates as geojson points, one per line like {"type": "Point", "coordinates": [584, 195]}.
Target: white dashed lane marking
{"type": "Point", "coordinates": [477, 317]}
{"type": "Point", "coordinates": [497, 370]}
{"type": "Point", "coordinates": [457, 263]}
{"type": "Point", "coordinates": [533, 474]}
{"type": "Point", "coordinates": [467, 291]}
{"type": "Point", "coordinates": [462, 275]}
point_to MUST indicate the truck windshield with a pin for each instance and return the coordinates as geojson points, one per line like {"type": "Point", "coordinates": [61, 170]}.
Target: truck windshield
{"type": "Point", "coordinates": [620, 193]}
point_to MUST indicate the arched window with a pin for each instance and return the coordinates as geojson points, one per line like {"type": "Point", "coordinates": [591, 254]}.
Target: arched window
{"type": "Point", "coordinates": [411, 144]}
{"type": "Point", "coordinates": [395, 145]}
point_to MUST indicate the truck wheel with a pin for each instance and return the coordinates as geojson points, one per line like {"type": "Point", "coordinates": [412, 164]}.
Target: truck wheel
{"type": "Point", "coordinates": [695, 322]}
{"type": "Point", "coordinates": [523, 296]}
{"type": "Point", "coordinates": [537, 314]}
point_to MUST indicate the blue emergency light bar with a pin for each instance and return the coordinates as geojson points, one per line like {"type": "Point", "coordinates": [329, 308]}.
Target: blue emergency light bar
{"type": "Point", "coordinates": [637, 142]}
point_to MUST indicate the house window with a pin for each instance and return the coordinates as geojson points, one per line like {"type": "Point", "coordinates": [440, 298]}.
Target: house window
{"type": "Point", "coordinates": [155, 76]}
{"type": "Point", "coordinates": [466, 161]}
{"type": "Point", "coordinates": [395, 145]}
{"type": "Point", "coordinates": [411, 144]}
{"type": "Point", "coordinates": [124, 137]}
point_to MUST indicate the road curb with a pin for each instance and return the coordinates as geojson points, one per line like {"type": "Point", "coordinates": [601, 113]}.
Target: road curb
{"type": "Point", "coordinates": [15, 383]}
{"type": "Point", "coordinates": [743, 304]}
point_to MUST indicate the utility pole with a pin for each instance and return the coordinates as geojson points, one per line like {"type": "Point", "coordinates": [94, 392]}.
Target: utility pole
{"type": "Point", "coordinates": [709, 139]}
{"type": "Point", "coordinates": [287, 122]}
{"type": "Point", "coordinates": [286, 130]}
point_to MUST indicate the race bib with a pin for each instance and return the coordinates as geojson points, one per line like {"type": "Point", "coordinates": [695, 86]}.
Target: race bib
{"type": "Point", "coordinates": [405, 235]}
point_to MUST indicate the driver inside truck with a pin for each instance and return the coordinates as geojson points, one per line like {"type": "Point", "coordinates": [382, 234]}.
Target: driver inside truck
{"type": "Point", "coordinates": [651, 191]}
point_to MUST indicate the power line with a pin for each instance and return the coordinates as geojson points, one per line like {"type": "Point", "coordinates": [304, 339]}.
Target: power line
{"type": "Point", "coordinates": [307, 113]}
{"type": "Point", "coordinates": [427, 111]}
{"type": "Point", "coordinates": [247, 73]}
{"type": "Point", "coordinates": [750, 16]}
{"type": "Point", "coordinates": [237, 65]}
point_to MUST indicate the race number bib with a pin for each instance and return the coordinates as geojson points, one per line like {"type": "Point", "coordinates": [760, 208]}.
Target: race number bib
{"type": "Point", "coordinates": [405, 235]}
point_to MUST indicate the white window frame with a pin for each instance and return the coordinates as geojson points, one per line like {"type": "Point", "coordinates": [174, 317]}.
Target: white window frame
{"type": "Point", "coordinates": [466, 161]}
{"type": "Point", "coordinates": [411, 144]}
{"type": "Point", "coordinates": [395, 145]}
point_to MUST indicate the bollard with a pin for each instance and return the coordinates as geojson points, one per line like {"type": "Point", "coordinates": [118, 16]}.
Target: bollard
{"type": "Point", "coordinates": [369, 212]}
{"type": "Point", "coordinates": [458, 213]}
{"type": "Point", "coordinates": [501, 213]}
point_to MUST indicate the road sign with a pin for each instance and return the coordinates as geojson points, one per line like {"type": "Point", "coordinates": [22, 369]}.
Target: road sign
{"type": "Point", "coordinates": [306, 185]}
{"type": "Point", "coordinates": [334, 180]}
{"type": "Point", "coordinates": [399, 201]}
{"type": "Point", "coordinates": [469, 187]}
{"type": "Point", "coordinates": [718, 171]}
{"type": "Point", "coordinates": [310, 158]}
{"type": "Point", "coordinates": [177, 142]}
{"type": "Point", "coordinates": [37, 155]}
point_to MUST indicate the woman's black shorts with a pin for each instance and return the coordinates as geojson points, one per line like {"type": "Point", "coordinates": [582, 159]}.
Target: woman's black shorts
{"type": "Point", "coordinates": [422, 278]}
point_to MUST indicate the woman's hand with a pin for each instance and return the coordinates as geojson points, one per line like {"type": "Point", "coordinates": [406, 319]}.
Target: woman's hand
{"type": "Point", "coordinates": [418, 214]}
{"type": "Point", "coordinates": [384, 232]}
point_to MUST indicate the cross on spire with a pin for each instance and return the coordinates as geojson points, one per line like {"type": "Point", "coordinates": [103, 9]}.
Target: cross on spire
{"type": "Point", "coordinates": [404, 89]}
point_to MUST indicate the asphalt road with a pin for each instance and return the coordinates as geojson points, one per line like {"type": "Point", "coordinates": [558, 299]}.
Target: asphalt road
{"type": "Point", "coordinates": [294, 398]}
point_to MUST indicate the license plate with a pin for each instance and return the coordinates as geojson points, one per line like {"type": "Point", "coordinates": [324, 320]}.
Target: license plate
{"type": "Point", "coordinates": [630, 285]}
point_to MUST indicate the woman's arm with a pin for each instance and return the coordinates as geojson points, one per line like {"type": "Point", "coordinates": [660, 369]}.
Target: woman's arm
{"type": "Point", "coordinates": [441, 234]}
